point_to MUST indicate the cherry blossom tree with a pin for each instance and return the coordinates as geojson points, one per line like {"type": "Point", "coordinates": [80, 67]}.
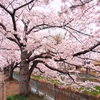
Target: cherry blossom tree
{"type": "Point", "coordinates": [82, 42]}
{"type": "Point", "coordinates": [9, 57]}
{"type": "Point", "coordinates": [23, 22]}
{"type": "Point", "coordinates": [27, 24]}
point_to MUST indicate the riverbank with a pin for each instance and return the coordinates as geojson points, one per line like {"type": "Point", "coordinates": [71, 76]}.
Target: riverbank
{"type": "Point", "coordinates": [12, 90]}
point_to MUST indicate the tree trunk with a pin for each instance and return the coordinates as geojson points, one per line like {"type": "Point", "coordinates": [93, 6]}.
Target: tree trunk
{"type": "Point", "coordinates": [87, 71]}
{"type": "Point", "coordinates": [10, 73]}
{"type": "Point", "coordinates": [6, 70]}
{"type": "Point", "coordinates": [24, 75]}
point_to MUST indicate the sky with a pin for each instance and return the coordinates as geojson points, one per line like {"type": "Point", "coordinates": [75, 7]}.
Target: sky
{"type": "Point", "coordinates": [55, 5]}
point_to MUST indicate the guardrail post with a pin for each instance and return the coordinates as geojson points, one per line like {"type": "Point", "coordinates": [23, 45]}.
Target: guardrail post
{"type": "Point", "coordinates": [54, 90]}
{"type": "Point", "coordinates": [37, 87]}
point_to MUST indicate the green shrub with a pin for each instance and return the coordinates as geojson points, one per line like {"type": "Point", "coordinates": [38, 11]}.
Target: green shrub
{"type": "Point", "coordinates": [17, 97]}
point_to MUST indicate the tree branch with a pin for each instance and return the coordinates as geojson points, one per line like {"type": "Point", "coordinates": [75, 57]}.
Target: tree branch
{"type": "Point", "coordinates": [86, 51]}
{"type": "Point", "coordinates": [81, 4]}
{"type": "Point", "coordinates": [16, 65]}
{"type": "Point", "coordinates": [42, 55]}
{"type": "Point", "coordinates": [23, 5]}
{"type": "Point", "coordinates": [12, 14]}
{"type": "Point", "coordinates": [54, 69]}
{"type": "Point", "coordinates": [46, 26]}
{"type": "Point", "coordinates": [3, 26]}
{"type": "Point", "coordinates": [9, 49]}
{"type": "Point", "coordinates": [14, 40]}
{"type": "Point", "coordinates": [5, 9]}
{"type": "Point", "coordinates": [39, 69]}
{"type": "Point", "coordinates": [64, 61]}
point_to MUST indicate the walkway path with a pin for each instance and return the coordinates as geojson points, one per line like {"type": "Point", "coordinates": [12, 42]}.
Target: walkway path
{"type": "Point", "coordinates": [2, 88]}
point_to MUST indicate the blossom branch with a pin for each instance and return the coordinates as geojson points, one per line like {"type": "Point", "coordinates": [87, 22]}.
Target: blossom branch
{"type": "Point", "coordinates": [87, 50]}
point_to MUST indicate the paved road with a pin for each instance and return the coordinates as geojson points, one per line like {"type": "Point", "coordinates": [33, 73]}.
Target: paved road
{"type": "Point", "coordinates": [2, 97]}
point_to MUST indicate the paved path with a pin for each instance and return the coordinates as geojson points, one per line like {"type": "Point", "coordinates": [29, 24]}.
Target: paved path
{"type": "Point", "coordinates": [2, 88]}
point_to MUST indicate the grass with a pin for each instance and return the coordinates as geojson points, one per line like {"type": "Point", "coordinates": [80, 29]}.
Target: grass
{"type": "Point", "coordinates": [32, 76]}
{"type": "Point", "coordinates": [95, 92]}
{"type": "Point", "coordinates": [53, 81]}
{"type": "Point", "coordinates": [17, 97]}
{"type": "Point", "coordinates": [36, 77]}
{"type": "Point", "coordinates": [47, 79]}
{"type": "Point", "coordinates": [68, 85]}
{"type": "Point", "coordinates": [15, 72]}
{"type": "Point", "coordinates": [20, 97]}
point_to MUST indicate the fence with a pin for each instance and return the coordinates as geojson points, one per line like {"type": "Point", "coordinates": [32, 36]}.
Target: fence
{"type": "Point", "coordinates": [2, 87]}
{"type": "Point", "coordinates": [52, 92]}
